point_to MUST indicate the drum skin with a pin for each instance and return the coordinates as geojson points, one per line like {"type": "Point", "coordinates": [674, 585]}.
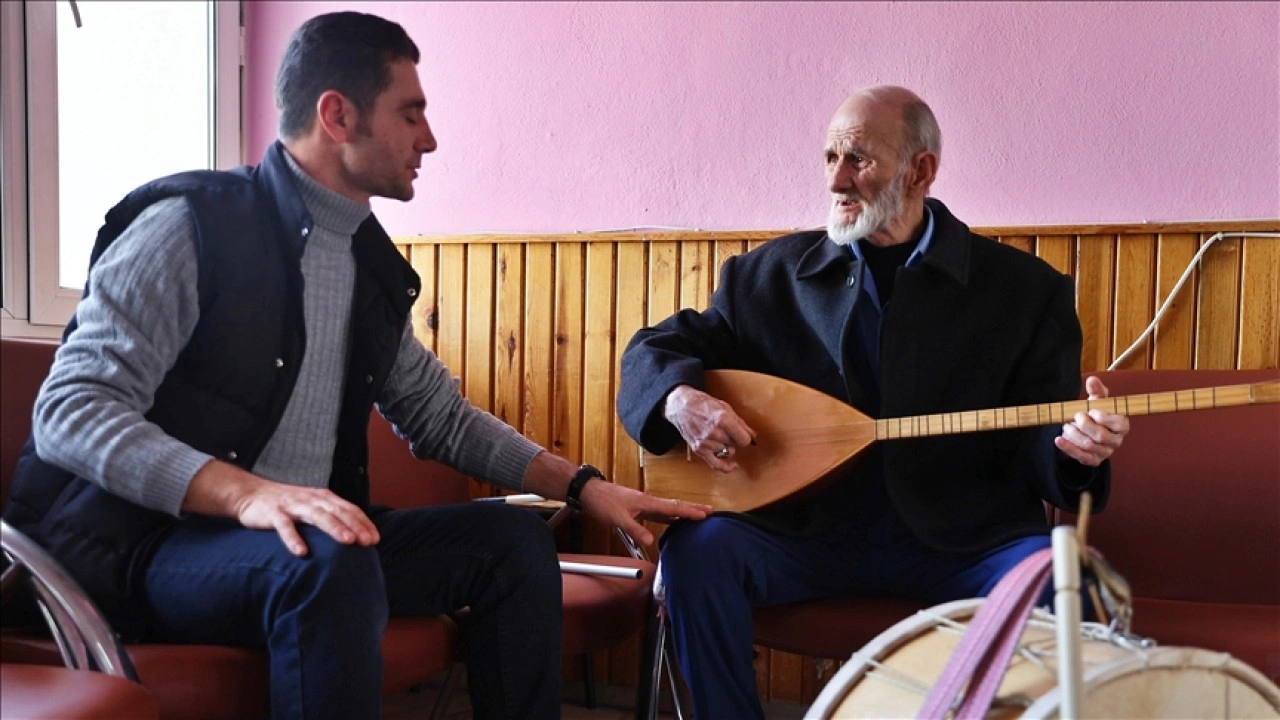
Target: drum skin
{"type": "Point", "coordinates": [892, 674]}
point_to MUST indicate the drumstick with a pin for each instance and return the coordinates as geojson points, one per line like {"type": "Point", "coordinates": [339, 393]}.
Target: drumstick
{"type": "Point", "coordinates": [1082, 534]}
{"type": "Point", "coordinates": [1082, 525]}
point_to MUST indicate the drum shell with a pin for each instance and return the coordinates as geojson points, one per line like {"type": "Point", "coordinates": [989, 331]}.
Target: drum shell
{"type": "Point", "coordinates": [893, 673]}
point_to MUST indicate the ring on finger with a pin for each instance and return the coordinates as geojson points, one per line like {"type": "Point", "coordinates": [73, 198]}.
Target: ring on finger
{"type": "Point", "coordinates": [723, 452]}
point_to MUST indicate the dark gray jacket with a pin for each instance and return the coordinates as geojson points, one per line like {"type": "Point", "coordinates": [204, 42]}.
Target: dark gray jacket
{"type": "Point", "coordinates": [974, 325]}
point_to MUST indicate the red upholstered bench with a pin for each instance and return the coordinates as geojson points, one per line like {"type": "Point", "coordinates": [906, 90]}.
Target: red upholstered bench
{"type": "Point", "coordinates": [1194, 519]}
{"type": "Point", "coordinates": [42, 692]}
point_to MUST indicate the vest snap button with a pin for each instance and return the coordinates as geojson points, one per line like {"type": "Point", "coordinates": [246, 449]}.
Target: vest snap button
{"type": "Point", "coordinates": [413, 293]}
{"type": "Point", "coordinates": [279, 362]}
{"type": "Point", "coordinates": [306, 231]}
{"type": "Point", "coordinates": [232, 455]}
{"type": "Point", "coordinates": [368, 379]}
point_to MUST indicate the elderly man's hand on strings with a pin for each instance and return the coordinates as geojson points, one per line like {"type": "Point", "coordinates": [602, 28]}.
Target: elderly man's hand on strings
{"type": "Point", "coordinates": [1090, 438]}
{"type": "Point", "coordinates": [710, 427]}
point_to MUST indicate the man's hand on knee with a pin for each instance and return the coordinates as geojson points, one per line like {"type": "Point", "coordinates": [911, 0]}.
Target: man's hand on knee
{"type": "Point", "coordinates": [224, 490]}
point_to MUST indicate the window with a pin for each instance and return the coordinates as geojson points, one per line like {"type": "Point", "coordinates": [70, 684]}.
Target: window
{"type": "Point", "coordinates": [136, 91]}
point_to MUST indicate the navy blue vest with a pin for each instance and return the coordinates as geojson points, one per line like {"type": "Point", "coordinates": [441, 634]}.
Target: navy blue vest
{"type": "Point", "coordinates": [228, 389]}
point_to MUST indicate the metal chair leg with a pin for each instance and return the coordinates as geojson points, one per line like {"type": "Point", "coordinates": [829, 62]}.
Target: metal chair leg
{"type": "Point", "coordinates": [656, 655]}
{"type": "Point", "coordinates": [447, 688]}
{"type": "Point", "coordinates": [660, 657]}
{"type": "Point", "coordinates": [588, 681]}
{"type": "Point", "coordinates": [633, 549]}
{"type": "Point", "coordinates": [649, 680]}
{"type": "Point", "coordinates": [659, 664]}
{"type": "Point", "coordinates": [669, 661]}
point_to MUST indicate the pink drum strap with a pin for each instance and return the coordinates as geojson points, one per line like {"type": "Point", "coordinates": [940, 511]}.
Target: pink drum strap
{"type": "Point", "coordinates": [992, 637]}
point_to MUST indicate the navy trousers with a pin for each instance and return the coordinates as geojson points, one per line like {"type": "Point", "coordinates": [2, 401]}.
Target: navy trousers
{"type": "Point", "coordinates": [716, 571]}
{"type": "Point", "coordinates": [321, 617]}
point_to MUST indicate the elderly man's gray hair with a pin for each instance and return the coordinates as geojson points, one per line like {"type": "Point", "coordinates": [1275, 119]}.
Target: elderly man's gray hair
{"type": "Point", "coordinates": [920, 130]}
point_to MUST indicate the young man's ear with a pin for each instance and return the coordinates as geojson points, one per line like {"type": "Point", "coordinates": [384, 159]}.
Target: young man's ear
{"type": "Point", "coordinates": [337, 116]}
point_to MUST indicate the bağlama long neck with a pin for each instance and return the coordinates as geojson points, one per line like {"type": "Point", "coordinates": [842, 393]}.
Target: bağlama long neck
{"type": "Point", "coordinates": [1060, 412]}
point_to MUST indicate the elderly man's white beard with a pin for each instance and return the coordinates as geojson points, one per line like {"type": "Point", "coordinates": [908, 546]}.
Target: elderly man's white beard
{"type": "Point", "coordinates": [875, 215]}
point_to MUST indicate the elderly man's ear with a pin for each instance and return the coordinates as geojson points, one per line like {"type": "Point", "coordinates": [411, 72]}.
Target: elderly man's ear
{"type": "Point", "coordinates": [924, 169]}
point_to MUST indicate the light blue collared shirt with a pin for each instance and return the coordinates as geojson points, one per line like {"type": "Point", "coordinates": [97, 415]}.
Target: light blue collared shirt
{"type": "Point", "coordinates": [868, 283]}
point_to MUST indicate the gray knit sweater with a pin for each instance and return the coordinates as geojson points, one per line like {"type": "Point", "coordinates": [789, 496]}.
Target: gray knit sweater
{"type": "Point", "coordinates": [142, 308]}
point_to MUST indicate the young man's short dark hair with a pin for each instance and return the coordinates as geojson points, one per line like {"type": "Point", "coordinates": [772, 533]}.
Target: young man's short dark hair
{"type": "Point", "coordinates": [344, 51]}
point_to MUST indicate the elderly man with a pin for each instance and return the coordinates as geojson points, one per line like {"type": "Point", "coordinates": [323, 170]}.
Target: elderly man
{"type": "Point", "coordinates": [897, 309]}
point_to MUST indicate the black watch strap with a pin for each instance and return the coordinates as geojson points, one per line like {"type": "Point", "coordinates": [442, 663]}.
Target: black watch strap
{"type": "Point", "coordinates": [573, 496]}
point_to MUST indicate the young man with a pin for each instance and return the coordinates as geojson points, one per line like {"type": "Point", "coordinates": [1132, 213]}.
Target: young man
{"type": "Point", "coordinates": [897, 309]}
{"type": "Point", "coordinates": [199, 447]}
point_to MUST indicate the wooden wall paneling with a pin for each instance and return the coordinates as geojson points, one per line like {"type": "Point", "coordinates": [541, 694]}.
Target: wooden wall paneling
{"type": "Point", "coordinates": [477, 361]}
{"type": "Point", "coordinates": [1025, 243]}
{"type": "Point", "coordinates": [451, 334]}
{"type": "Point", "coordinates": [597, 372]}
{"type": "Point", "coordinates": [508, 335]}
{"type": "Point", "coordinates": [629, 314]}
{"type": "Point", "coordinates": [763, 665]}
{"type": "Point", "coordinates": [1173, 340]}
{"type": "Point", "coordinates": [1259, 341]}
{"type": "Point", "coordinates": [723, 250]}
{"type": "Point", "coordinates": [539, 341]}
{"type": "Point", "coordinates": [1058, 251]}
{"type": "Point", "coordinates": [597, 389]}
{"type": "Point", "coordinates": [661, 303]}
{"type": "Point", "coordinates": [566, 373]}
{"type": "Point", "coordinates": [1134, 291]}
{"type": "Point", "coordinates": [663, 296]}
{"type": "Point", "coordinates": [814, 675]}
{"type": "Point", "coordinates": [695, 275]}
{"type": "Point", "coordinates": [629, 317]}
{"type": "Point", "coordinates": [477, 380]}
{"type": "Point", "coordinates": [1217, 304]}
{"type": "Point", "coordinates": [785, 670]}
{"type": "Point", "coordinates": [1095, 272]}
{"type": "Point", "coordinates": [426, 311]}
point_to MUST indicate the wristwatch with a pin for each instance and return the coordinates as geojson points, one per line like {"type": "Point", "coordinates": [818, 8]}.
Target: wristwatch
{"type": "Point", "coordinates": [572, 496]}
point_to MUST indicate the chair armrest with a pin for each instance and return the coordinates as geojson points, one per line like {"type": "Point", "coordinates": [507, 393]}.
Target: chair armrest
{"type": "Point", "coordinates": [84, 637]}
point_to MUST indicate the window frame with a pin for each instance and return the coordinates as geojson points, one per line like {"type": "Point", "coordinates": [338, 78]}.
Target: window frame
{"type": "Point", "coordinates": [33, 304]}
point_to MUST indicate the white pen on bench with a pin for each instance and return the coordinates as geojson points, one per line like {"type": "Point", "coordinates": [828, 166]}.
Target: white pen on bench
{"type": "Point", "coordinates": [516, 498]}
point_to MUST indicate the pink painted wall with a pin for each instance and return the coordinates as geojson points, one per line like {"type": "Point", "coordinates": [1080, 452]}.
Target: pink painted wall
{"type": "Point", "coordinates": [589, 116]}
